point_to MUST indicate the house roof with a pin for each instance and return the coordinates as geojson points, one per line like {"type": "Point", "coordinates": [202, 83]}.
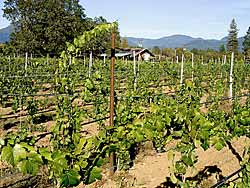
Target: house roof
{"type": "Point", "coordinates": [119, 54]}
{"type": "Point", "coordinates": [143, 51]}
{"type": "Point", "coordinates": [129, 52]}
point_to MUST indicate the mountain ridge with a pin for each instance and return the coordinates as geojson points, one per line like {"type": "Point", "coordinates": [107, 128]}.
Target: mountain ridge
{"type": "Point", "coordinates": [181, 41]}
{"type": "Point", "coordinates": [5, 34]}
{"type": "Point", "coordinates": [173, 41]}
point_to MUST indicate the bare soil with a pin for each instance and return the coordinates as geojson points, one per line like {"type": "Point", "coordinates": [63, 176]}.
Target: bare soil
{"type": "Point", "coordinates": [151, 169]}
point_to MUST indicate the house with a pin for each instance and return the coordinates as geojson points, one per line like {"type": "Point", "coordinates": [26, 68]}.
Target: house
{"type": "Point", "coordinates": [140, 54]}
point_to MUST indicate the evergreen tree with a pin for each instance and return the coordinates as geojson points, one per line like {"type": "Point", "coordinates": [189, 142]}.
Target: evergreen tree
{"type": "Point", "coordinates": [246, 46]}
{"type": "Point", "coordinates": [232, 43]}
{"type": "Point", "coordinates": [246, 42]}
{"type": "Point", "coordinates": [222, 48]}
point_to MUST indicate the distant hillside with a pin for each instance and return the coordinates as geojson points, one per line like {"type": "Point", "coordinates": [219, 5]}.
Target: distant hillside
{"type": "Point", "coordinates": [181, 41]}
{"type": "Point", "coordinates": [5, 34]}
{"type": "Point", "coordinates": [173, 41]}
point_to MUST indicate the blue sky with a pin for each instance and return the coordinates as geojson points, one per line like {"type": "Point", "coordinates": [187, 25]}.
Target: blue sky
{"type": "Point", "coordinates": [158, 18]}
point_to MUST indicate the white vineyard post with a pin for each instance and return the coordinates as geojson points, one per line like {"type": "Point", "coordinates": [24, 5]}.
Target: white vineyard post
{"type": "Point", "coordinates": [202, 59]}
{"type": "Point", "coordinates": [244, 59]}
{"type": "Point", "coordinates": [31, 56]}
{"type": "Point", "coordinates": [90, 63]}
{"type": "Point", "coordinates": [182, 69]}
{"type": "Point", "coordinates": [138, 67]}
{"type": "Point", "coordinates": [177, 59]}
{"type": "Point", "coordinates": [222, 63]}
{"type": "Point", "coordinates": [225, 59]}
{"type": "Point", "coordinates": [70, 59]}
{"type": "Point", "coordinates": [134, 63]}
{"type": "Point", "coordinates": [26, 63]}
{"type": "Point", "coordinates": [231, 76]}
{"type": "Point", "coordinates": [104, 59]}
{"type": "Point", "coordinates": [134, 70]}
{"type": "Point", "coordinates": [84, 59]}
{"type": "Point", "coordinates": [192, 67]}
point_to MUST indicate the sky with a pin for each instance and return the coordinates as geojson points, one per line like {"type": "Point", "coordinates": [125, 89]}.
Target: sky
{"type": "Point", "coordinates": [209, 19]}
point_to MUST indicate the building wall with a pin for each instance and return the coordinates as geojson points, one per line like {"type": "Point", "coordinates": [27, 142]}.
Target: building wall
{"type": "Point", "coordinates": [146, 56]}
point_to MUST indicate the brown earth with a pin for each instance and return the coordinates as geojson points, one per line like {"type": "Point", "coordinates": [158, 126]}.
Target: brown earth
{"type": "Point", "coordinates": [151, 169]}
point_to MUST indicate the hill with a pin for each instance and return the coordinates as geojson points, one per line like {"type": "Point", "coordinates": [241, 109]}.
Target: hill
{"type": "Point", "coordinates": [174, 41]}
{"type": "Point", "coordinates": [181, 41]}
{"type": "Point", "coordinates": [5, 34]}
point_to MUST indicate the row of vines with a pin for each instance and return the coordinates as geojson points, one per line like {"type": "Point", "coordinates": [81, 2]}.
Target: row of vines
{"type": "Point", "coordinates": [150, 105]}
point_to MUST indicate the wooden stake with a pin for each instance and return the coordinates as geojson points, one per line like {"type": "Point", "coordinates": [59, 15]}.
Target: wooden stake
{"type": "Point", "coordinates": [112, 101]}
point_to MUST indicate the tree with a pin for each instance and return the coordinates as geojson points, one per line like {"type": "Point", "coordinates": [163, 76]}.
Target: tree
{"type": "Point", "coordinates": [169, 52]}
{"type": "Point", "coordinates": [156, 50]}
{"type": "Point", "coordinates": [222, 48]}
{"type": "Point", "coordinates": [246, 46]}
{"type": "Point", "coordinates": [246, 42]}
{"type": "Point", "coordinates": [44, 26]}
{"type": "Point", "coordinates": [232, 43]}
{"type": "Point", "coordinates": [195, 51]}
{"type": "Point", "coordinates": [124, 43]}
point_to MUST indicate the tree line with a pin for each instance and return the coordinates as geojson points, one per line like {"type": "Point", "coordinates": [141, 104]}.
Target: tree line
{"type": "Point", "coordinates": [43, 27]}
{"type": "Point", "coordinates": [231, 46]}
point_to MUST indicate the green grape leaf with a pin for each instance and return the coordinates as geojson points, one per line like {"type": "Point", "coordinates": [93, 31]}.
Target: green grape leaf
{"type": "Point", "coordinates": [83, 164]}
{"type": "Point", "coordinates": [70, 178]}
{"type": "Point", "coordinates": [45, 153]}
{"type": "Point", "coordinates": [95, 174]}
{"type": "Point", "coordinates": [180, 167]}
{"type": "Point", "coordinates": [248, 167]}
{"type": "Point", "coordinates": [28, 167]}
{"type": "Point", "coordinates": [80, 146]}
{"type": "Point", "coordinates": [219, 145]}
{"type": "Point", "coordinates": [35, 157]}
{"type": "Point", "coordinates": [59, 163]}
{"type": "Point", "coordinates": [7, 155]}
{"type": "Point", "coordinates": [19, 153]}
{"type": "Point", "coordinates": [27, 146]}
{"type": "Point", "coordinates": [187, 160]}
{"type": "Point", "coordinates": [168, 120]}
